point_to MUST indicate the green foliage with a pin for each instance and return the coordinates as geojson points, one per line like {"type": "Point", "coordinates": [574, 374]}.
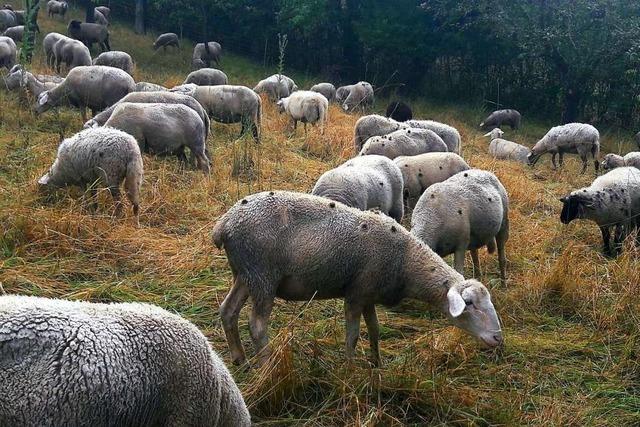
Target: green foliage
{"type": "Point", "coordinates": [31, 24]}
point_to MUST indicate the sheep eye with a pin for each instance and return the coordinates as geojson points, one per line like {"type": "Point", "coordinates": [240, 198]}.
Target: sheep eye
{"type": "Point", "coordinates": [469, 303]}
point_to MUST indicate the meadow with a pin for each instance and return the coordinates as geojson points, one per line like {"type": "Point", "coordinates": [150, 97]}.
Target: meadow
{"type": "Point", "coordinates": [570, 315]}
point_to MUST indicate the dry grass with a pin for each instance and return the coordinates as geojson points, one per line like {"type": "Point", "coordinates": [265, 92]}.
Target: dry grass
{"type": "Point", "coordinates": [570, 315]}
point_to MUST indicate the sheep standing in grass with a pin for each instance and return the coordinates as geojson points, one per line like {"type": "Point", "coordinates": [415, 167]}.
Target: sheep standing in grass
{"type": "Point", "coordinates": [364, 183]}
{"type": "Point", "coordinates": [326, 89]}
{"type": "Point", "coordinates": [8, 52]}
{"type": "Point", "coordinates": [166, 39]}
{"type": "Point", "coordinates": [207, 77]}
{"type": "Point", "coordinates": [399, 111]}
{"type": "Point", "coordinates": [502, 117]}
{"type": "Point", "coordinates": [48, 43]}
{"type": "Point", "coordinates": [55, 7]}
{"type": "Point", "coordinates": [575, 138]}
{"type": "Point", "coordinates": [506, 150]}
{"type": "Point", "coordinates": [612, 161]}
{"type": "Point", "coordinates": [116, 59]}
{"type": "Point", "coordinates": [422, 171]}
{"type": "Point", "coordinates": [612, 200]}
{"type": "Point", "coordinates": [206, 53]}
{"type": "Point", "coordinates": [360, 96]}
{"type": "Point", "coordinates": [449, 134]}
{"type": "Point", "coordinates": [99, 18]}
{"type": "Point", "coordinates": [404, 142]}
{"type": "Point", "coordinates": [104, 156]}
{"type": "Point", "coordinates": [328, 250]}
{"type": "Point", "coordinates": [466, 212]}
{"type": "Point", "coordinates": [276, 87]}
{"type": "Point", "coordinates": [89, 33]}
{"type": "Point", "coordinates": [15, 33]}
{"type": "Point", "coordinates": [73, 53]}
{"type": "Point", "coordinates": [163, 129]}
{"type": "Point", "coordinates": [373, 125]}
{"type": "Point", "coordinates": [125, 364]}
{"type": "Point", "coordinates": [306, 106]}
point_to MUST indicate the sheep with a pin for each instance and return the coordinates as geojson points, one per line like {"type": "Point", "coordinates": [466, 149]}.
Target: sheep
{"type": "Point", "coordinates": [89, 33]}
{"type": "Point", "coordinates": [163, 129]}
{"type": "Point", "coordinates": [149, 87]}
{"type": "Point", "coordinates": [166, 39]}
{"type": "Point", "coordinates": [42, 78]}
{"type": "Point", "coordinates": [465, 212]}
{"type": "Point", "coordinates": [501, 117]}
{"type": "Point", "coordinates": [34, 86]}
{"type": "Point", "coordinates": [326, 89]}
{"type": "Point", "coordinates": [399, 111]}
{"type": "Point", "coordinates": [104, 10]}
{"type": "Point", "coordinates": [576, 138]}
{"type": "Point", "coordinates": [612, 200]}
{"type": "Point", "coordinates": [206, 53]}
{"type": "Point", "coordinates": [73, 363]}
{"type": "Point", "coordinates": [15, 33]}
{"type": "Point", "coordinates": [8, 52]}
{"type": "Point", "coordinates": [55, 7]}
{"type": "Point", "coordinates": [373, 125]}
{"type": "Point", "coordinates": [449, 134]}
{"type": "Point", "coordinates": [359, 95]}
{"type": "Point", "coordinates": [99, 18]}
{"type": "Point", "coordinates": [73, 53]}
{"type": "Point", "coordinates": [326, 250]}
{"type": "Point", "coordinates": [94, 86]}
{"type": "Point", "coordinates": [612, 161]}
{"type": "Point", "coordinates": [48, 43]}
{"type": "Point", "coordinates": [506, 150]}
{"type": "Point", "coordinates": [422, 171]}
{"type": "Point", "coordinates": [276, 87]}
{"type": "Point", "coordinates": [365, 183]}
{"type": "Point", "coordinates": [8, 19]}
{"type": "Point", "coordinates": [117, 59]}
{"type": "Point", "coordinates": [305, 106]}
{"type": "Point", "coordinates": [404, 142]}
{"type": "Point", "coordinates": [207, 77]}
{"type": "Point", "coordinates": [104, 156]}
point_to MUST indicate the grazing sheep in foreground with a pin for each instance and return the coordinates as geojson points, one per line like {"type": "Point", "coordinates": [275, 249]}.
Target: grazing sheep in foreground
{"type": "Point", "coordinates": [328, 250]}
{"type": "Point", "coordinates": [306, 106]}
{"type": "Point", "coordinates": [149, 87]}
{"type": "Point", "coordinates": [449, 134]}
{"type": "Point", "coordinates": [110, 364]}
{"type": "Point", "coordinates": [276, 87]}
{"type": "Point", "coordinates": [104, 10]}
{"type": "Point", "coordinates": [207, 77]}
{"type": "Point", "coordinates": [365, 183]}
{"type": "Point", "coordinates": [404, 142]}
{"type": "Point", "coordinates": [506, 150]}
{"type": "Point", "coordinates": [326, 89]}
{"type": "Point", "coordinates": [95, 86]}
{"type": "Point", "coordinates": [465, 212]}
{"type": "Point", "coordinates": [73, 53]}
{"type": "Point", "coordinates": [358, 96]}
{"type": "Point", "coordinates": [116, 59]}
{"type": "Point", "coordinates": [163, 129]}
{"type": "Point", "coordinates": [502, 117]}
{"type": "Point", "coordinates": [399, 111]}
{"type": "Point", "coordinates": [99, 18]}
{"type": "Point", "coordinates": [89, 33]}
{"type": "Point", "coordinates": [48, 43]}
{"type": "Point", "coordinates": [166, 39]}
{"type": "Point", "coordinates": [206, 53]}
{"type": "Point", "coordinates": [422, 171]}
{"type": "Point", "coordinates": [55, 7]}
{"type": "Point", "coordinates": [373, 125]}
{"type": "Point", "coordinates": [104, 156]}
{"type": "Point", "coordinates": [575, 138]}
{"type": "Point", "coordinates": [15, 33]}
{"type": "Point", "coordinates": [612, 161]}
{"type": "Point", "coordinates": [612, 200]}
{"type": "Point", "coordinates": [8, 52]}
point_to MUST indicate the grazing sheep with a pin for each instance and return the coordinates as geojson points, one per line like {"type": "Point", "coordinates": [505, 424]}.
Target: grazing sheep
{"type": "Point", "coordinates": [34, 86]}
{"type": "Point", "coordinates": [326, 89]}
{"type": "Point", "coordinates": [99, 18]}
{"type": "Point", "coordinates": [73, 53]}
{"type": "Point", "coordinates": [612, 161]}
{"type": "Point", "coordinates": [612, 200]}
{"type": "Point", "coordinates": [8, 19]}
{"type": "Point", "coordinates": [575, 138]}
{"type": "Point", "coordinates": [466, 212]}
{"type": "Point", "coordinates": [373, 125]}
{"type": "Point", "coordinates": [163, 129]}
{"type": "Point", "coordinates": [94, 86]}
{"type": "Point", "coordinates": [207, 77]}
{"type": "Point", "coordinates": [399, 111]}
{"type": "Point", "coordinates": [15, 33]}
{"type": "Point", "coordinates": [277, 86]}
{"type": "Point", "coordinates": [89, 33]}
{"type": "Point", "coordinates": [328, 250]}
{"type": "Point", "coordinates": [166, 39]}
{"type": "Point", "coordinates": [502, 117]}
{"type": "Point", "coordinates": [48, 43]}
{"type": "Point", "coordinates": [449, 134]}
{"type": "Point", "coordinates": [422, 171]}
{"type": "Point", "coordinates": [365, 183]}
{"type": "Point", "coordinates": [126, 364]}
{"type": "Point", "coordinates": [55, 7]}
{"type": "Point", "coordinates": [8, 52]}
{"type": "Point", "coordinates": [404, 142]}
{"type": "Point", "coordinates": [506, 150]}
{"type": "Point", "coordinates": [117, 59]}
{"type": "Point", "coordinates": [104, 156]}
{"type": "Point", "coordinates": [206, 53]}
{"type": "Point", "coordinates": [357, 96]}
{"type": "Point", "coordinates": [105, 11]}
{"type": "Point", "coordinates": [306, 106]}
{"type": "Point", "coordinates": [149, 87]}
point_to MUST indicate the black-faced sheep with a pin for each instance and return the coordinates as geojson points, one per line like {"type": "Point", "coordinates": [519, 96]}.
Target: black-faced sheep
{"type": "Point", "coordinates": [166, 39]}
{"type": "Point", "coordinates": [89, 33]}
{"type": "Point", "coordinates": [502, 117]}
{"type": "Point", "coordinates": [116, 59]}
{"type": "Point", "coordinates": [404, 142]}
{"type": "Point", "coordinates": [399, 111]}
{"type": "Point", "coordinates": [207, 77]}
{"type": "Point", "coordinates": [506, 150]}
{"type": "Point", "coordinates": [307, 107]}
{"type": "Point", "coordinates": [575, 138]}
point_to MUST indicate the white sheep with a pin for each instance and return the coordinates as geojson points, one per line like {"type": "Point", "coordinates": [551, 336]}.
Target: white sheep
{"type": "Point", "coordinates": [404, 142]}
{"type": "Point", "coordinates": [506, 150]}
{"type": "Point", "coordinates": [55, 7]}
{"type": "Point", "coordinates": [15, 33]}
{"type": "Point", "coordinates": [206, 53]}
{"type": "Point", "coordinates": [612, 161]}
{"type": "Point", "coordinates": [373, 125]}
{"type": "Point", "coordinates": [306, 106]}
{"type": "Point", "coordinates": [117, 59]}
{"type": "Point", "coordinates": [8, 52]}
{"type": "Point", "coordinates": [449, 134]}
{"type": "Point", "coordinates": [276, 87]}
{"type": "Point", "coordinates": [207, 77]}
{"type": "Point", "coordinates": [576, 138]}
{"type": "Point", "coordinates": [48, 43]}
{"type": "Point", "coordinates": [73, 53]}
{"type": "Point", "coordinates": [356, 96]}
{"type": "Point", "coordinates": [149, 87]}
{"type": "Point", "coordinates": [326, 89]}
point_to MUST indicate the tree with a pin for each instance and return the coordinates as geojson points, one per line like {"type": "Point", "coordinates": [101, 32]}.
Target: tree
{"type": "Point", "coordinates": [140, 15]}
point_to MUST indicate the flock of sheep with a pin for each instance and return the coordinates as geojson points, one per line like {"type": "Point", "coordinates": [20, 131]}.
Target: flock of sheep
{"type": "Point", "coordinates": [344, 240]}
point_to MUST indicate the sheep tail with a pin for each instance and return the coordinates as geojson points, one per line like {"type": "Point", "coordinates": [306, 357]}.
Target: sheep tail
{"type": "Point", "coordinates": [132, 182]}
{"type": "Point", "coordinates": [595, 150]}
{"type": "Point", "coordinates": [491, 246]}
{"type": "Point", "coordinates": [219, 232]}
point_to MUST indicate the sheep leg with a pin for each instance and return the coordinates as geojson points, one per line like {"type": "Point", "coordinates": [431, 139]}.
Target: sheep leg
{"type": "Point", "coordinates": [458, 259]}
{"type": "Point", "coordinates": [256, 135]}
{"type": "Point", "coordinates": [561, 158]}
{"type": "Point", "coordinates": [606, 237]}
{"type": "Point", "coordinates": [83, 113]}
{"type": "Point", "coordinates": [553, 161]}
{"type": "Point", "coordinates": [501, 242]}
{"type": "Point", "coordinates": [371, 319]}
{"type": "Point", "coordinates": [352, 313]}
{"type": "Point", "coordinates": [229, 313]}
{"type": "Point", "coordinates": [117, 200]}
{"type": "Point", "coordinates": [203, 162]}
{"type": "Point", "coordinates": [258, 326]}
{"type": "Point", "coordinates": [93, 198]}
{"type": "Point", "coordinates": [618, 239]}
{"type": "Point", "coordinates": [583, 157]}
{"type": "Point", "coordinates": [476, 263]}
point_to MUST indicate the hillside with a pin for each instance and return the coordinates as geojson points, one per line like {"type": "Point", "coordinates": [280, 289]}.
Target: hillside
{"type": "Point", "coordinates": [570, 315]}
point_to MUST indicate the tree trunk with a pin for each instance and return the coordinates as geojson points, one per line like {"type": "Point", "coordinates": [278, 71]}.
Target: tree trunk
{"type": "Point", "coordinates": [139, 25]}
{"type": "Point", "coordinates": [89, 15]}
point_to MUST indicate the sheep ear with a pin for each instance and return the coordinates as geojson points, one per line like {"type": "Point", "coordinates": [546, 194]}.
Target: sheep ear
{"type": "Point", "coordinates": [456, 302]}
{"type": "Point", "coordinates": [564, 199]}
{"type": "Point", "coordinates": [44, 97]}
{"type": "Point", "coordinates": [44, 179]}
{"type": "Point", "coordinates": [487, 134]}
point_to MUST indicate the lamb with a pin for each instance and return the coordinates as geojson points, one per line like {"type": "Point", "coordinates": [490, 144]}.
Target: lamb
{"type": "Point", "coordinates": [89, 33]}
{"type": "Point", "coordinates": [15, 33]}
{"type": "Point", "coordinates": [206, 53]}
{"type": "Point", "coordinates": [502, 117]}
{"type": "Point", "coordinates": [373, 125]}
{"type": "Point", "coordinates": [422, 171]}
{"type": "Point", "coordinates": [110, 364]}
{"type": "Point", "coordinates": [365, 183]}
{"type": "Point", "coordinates": [449, 134]}
{"type": "Point", "coordinates": [117, 59]}
{"type": "Point", "coordinates": [404, 142]}
{"type": "Point", "coordinates": [360, 95]}
{"type": "Point", "coordinates": [104, 10]}
{"type": "Point", "coordinates": [506, 150]}
{"type": "Point", "coordinates": [329, 250]}
{"type": "Point", "coordinates": [612, 200]}
{"type": "Point", "coordinates": [306, 106]}
{"type": "Point", "coordinates": [612, 161]}
{"type": "Point", "coordinates": [207, 77]}
{"type": "Point", "coordinates": [399, 111]}
{"type": "Point", "coordinates": [149, 87]}
{"type": "Point", "coordinates": [55, 7]}
{"type": "Point", "coordinates": [95, 86]}
{"type": "Point", "coordinates": [48, 43]}
{"type": "Point", "coordinates": [326, 89]}
{"type": "Point", "coordinates": [163, 129]}
{"type": "Point", "coordinates": [576, 138]}
{"type": "Point", "coordinates": [466, 212]}
{"type": "Point", "coordinates": [166, 39]}
{"type": "Point", "coordinates": [276, 87]}
{"type": "Point", "coordinates": [104, 156]}
{"type": "Point", "coordinates": [8, 52]}
{"type": "Point", "coordinates": [72, 53]}
{"type": "Point", "coordinates": [99, 18]}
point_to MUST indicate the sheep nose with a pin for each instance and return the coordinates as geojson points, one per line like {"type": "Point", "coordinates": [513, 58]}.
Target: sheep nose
{"type": "Point", "coordinates": [499, 339]}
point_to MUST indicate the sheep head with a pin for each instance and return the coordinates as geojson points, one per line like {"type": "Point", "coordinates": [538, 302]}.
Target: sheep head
{"type": "Point", "coordinates": [43, 103]}
{"type": "Point", "coordinates": [495, 133]}
{"type": "Point", "coordinates": [575, 205]}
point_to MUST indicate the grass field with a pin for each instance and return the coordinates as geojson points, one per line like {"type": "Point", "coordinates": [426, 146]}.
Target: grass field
{"type": "Point", "coordinates": [570, 316]}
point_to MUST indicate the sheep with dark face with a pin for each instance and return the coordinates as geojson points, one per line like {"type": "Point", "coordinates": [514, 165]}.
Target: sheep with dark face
{"type": "Point", "coordinates": [55, 7]}
{"type": "Point", "coordinates": [165, 40]}
{"type": "Point", "coordinates": [8, 52]}
{"type": "Point", "coordinates": [502, 117]}
{"type": "Point", "coordinates": [612, 161]}
{"type": "Point", "coordinates": [117, 59]}
{"type": "Point", "coordinates": [326, 89]}
{"type": "Point", "coordinates": [328, 250]}
{"type": "Point", "coordinates": [207, 77]}
{"type": "Point", "coordinates": [206, 53]}
{"type": "Point", "coordinates": [506, 150]}
{"type": "Point", "coordinates": [576, 138]}
{"type": "Point", "coordinates": [89, 33]}
{"type": "Point", "coordinates": [404, 142]}
{"type": "Point", "coordinates": [72, 53]}
{"type": "Point", "coordinates": [399, 111]}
